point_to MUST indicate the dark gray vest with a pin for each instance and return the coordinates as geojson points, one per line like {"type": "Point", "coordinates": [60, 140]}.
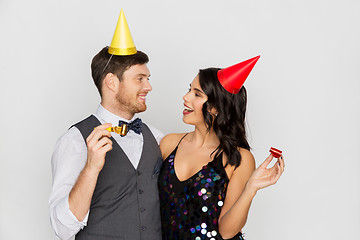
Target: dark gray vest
{"type": "Point", "coordinates": [125, 203]}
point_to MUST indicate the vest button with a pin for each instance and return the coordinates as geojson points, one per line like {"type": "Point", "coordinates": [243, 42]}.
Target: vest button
{"type": "Point", "coordinates": [142, 209]}
{"type": "Point", "coordinates": [143, 228]}
{"type": "Point", "coordinates": [139, 173]}
{"type": "Point", "coordinates": [141, 191]}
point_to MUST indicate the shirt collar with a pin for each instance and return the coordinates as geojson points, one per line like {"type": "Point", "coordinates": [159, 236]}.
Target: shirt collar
{"type": "Point", "coordinates": [109, 117]}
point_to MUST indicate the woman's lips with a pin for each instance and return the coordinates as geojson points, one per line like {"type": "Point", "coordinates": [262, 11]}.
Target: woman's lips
{"type": "Point", "coordinates": [187, 110]}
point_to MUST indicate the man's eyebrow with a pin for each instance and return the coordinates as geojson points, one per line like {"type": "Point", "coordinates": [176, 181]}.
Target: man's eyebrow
{"type": "Point", "coordinates": [143, 74]}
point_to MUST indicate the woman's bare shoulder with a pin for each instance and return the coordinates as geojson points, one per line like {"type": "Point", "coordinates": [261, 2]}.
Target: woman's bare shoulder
{"type": "Point", "coordinates": [247, 162]}
{"type": "Point", "coordinates": [169, 142]}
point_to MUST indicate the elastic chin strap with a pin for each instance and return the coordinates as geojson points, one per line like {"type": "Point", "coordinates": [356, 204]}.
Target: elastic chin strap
{"type": "Point", "coordinates": [106, 64]}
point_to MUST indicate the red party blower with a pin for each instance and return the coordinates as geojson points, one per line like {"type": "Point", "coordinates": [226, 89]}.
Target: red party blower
{"type": "Point", "coordinates": [275, 152]}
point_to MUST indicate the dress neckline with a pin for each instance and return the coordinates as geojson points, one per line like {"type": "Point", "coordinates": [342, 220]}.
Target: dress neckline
{"type": "Point", "coordinates": [196, 173]}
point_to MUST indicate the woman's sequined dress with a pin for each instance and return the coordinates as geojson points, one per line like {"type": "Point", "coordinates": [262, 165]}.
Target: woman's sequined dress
{"type": "Point", "coordinates": [190, 209]}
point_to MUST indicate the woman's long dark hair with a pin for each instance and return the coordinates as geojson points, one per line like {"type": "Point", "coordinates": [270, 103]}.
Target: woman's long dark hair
{"type": "Point", "coordinates": [229, 124]}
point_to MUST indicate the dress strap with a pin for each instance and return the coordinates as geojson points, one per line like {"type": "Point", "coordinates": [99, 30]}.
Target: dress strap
{"type": "Point", "coordinates": [219, 159]}
{"type": "Point", "coordinates": [182, 139]}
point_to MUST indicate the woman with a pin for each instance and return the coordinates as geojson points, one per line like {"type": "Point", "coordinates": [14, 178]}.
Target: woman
{"type": "Point", "coordinates": [207, 180]}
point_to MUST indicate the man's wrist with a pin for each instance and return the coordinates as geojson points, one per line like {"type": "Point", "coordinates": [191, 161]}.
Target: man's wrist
{"type": "Point", "coordinates": [91, 171]}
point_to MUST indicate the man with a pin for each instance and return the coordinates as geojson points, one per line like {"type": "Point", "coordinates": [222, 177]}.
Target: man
{"type": "Point", "coordinates": [105, 184]}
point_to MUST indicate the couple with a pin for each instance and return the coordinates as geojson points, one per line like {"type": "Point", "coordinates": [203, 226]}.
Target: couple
{"type": "Point", "coordinates": [199, 186]}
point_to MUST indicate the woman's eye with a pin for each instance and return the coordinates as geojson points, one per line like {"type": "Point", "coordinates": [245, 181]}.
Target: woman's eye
{"type": "Point", "coordinates": [197, 95]}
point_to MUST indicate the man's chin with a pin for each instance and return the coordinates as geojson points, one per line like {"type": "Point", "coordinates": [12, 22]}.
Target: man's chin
{"type": "Point", "coordinates": [142, 108]}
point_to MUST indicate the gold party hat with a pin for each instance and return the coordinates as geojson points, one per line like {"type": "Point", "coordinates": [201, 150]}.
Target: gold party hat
{"type": "Point", "coordinates": [122, 42]}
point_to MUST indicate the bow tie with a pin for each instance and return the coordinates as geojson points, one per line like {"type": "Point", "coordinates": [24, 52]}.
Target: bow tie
{"type": "Point", "coordinates": [135, 125]}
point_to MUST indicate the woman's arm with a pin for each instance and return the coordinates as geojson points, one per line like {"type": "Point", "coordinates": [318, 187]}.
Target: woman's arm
{"type": "Point", "coordinates": [243, 185]}
{"type": "Point", "coordinates": [238, 198]}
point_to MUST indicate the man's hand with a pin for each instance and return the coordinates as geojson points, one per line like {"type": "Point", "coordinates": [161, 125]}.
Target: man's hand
{"type": "Point", "coordinates": [98, 144]}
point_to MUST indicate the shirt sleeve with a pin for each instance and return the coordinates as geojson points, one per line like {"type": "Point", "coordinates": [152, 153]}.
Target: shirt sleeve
{"type": "Point", "coordinates": [156, 132]}
{"type": "Point", "coordinates": [67, 162]}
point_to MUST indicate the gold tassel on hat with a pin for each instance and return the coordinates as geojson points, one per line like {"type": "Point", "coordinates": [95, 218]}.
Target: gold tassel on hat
{"type": "Point", "coordinates": [122, 42]}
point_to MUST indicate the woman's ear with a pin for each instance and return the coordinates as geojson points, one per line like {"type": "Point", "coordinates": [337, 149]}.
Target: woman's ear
{"type": "Point", "coordinates": [213, 112]}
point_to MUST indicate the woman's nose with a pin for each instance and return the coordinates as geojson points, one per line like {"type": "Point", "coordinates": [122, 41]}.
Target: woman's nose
{"type": "Point", "coordinates": [185, 97]}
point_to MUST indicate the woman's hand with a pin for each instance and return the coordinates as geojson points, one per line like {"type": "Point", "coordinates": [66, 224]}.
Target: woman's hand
{"type": "Point", "coordinates": [263, 177]}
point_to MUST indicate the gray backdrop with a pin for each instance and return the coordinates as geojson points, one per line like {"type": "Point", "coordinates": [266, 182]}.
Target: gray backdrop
{"type": "Point", "coordinates": [303, 97]}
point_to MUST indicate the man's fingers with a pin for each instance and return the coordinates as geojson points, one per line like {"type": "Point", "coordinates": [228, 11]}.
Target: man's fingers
{"type": "Point", "coordinates": [104, 126]}
{"type": "Point", "coordinates": [106, 148]}
{"type": "Point", "coordinates": [102, 142]}
{"type": "Point", "coordinates": [100, 127]}
{"type": "Point", "coordinates": [97, 134]}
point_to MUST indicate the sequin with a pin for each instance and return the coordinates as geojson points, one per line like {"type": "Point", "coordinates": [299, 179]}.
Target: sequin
{"type": "Point", "coordinates": [190, 209]}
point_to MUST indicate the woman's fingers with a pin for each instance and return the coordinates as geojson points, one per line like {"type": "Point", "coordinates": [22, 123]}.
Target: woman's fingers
{"type": "Point", "coordinates": [280, 169]}
{"type": "Point", "coordinates": [282, 163]}
{"type": "Point", "coordinates": [267, 161]}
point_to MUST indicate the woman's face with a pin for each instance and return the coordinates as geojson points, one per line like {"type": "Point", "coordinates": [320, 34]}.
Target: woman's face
{"type": "Point", "coordinates": [193, 103]}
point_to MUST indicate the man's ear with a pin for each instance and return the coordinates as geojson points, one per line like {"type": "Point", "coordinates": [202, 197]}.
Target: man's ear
{"type": "Point", "coordinates": [111, 82]}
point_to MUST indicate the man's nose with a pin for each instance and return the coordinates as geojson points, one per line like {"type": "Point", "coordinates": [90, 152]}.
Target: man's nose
{"type": "Point", "coordinates": [147, 85]}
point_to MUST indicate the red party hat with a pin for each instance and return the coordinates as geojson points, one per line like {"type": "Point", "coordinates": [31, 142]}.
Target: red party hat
{"type": "Point", "coordinates": [232, 78]}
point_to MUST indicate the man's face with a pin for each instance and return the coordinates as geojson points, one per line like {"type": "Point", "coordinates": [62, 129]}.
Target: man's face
{"type": "Point", "coordinates": [131, 97]}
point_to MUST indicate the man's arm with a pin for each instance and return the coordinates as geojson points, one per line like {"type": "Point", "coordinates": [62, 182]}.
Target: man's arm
{"type": "Point", "coordinates": [70, 164]}
{"type": "Point", "coordinates": [98, 144]}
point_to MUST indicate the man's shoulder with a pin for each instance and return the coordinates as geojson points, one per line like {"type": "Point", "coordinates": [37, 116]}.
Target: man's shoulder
{"type": "Point", "coordinates": [72, 134]}
{"type": "Point", "coordinates": [158, 135]}
{"type": "Point", "coordinates": [90, 119]}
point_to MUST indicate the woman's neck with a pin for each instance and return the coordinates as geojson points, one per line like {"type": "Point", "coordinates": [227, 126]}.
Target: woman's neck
{"type": "Point", "coordinates": [203, 138]}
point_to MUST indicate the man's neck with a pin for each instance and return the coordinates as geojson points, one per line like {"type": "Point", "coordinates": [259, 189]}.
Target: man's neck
{"type": "Point", "coordinates": [117, 112]}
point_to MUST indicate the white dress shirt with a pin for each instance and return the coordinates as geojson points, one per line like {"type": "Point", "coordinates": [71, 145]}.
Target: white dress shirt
{"type": "Point", "coordinates": [69, 159]}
